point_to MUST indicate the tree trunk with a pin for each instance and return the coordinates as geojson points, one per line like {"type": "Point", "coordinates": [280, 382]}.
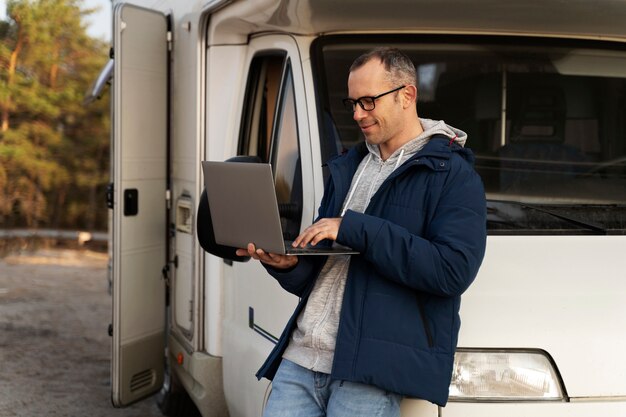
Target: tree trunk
{"type": "Point", "coordinates": [54, 68]}
{"type": "Point", "coordinates": [6, 105]}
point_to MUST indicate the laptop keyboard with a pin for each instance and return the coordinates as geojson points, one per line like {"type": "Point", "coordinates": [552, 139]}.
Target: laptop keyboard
{"type": "Point", "coordinates": [310, 249]}
{"type": "Point", "coordinates": [307, 249]}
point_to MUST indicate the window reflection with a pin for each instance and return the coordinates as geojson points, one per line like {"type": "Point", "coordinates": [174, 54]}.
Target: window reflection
{"type": "Point", "coordinates": [546, 123]}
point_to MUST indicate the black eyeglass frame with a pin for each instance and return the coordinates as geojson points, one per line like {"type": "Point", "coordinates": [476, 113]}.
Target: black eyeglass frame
{"type": "Point", "coordinates": [349, 103]}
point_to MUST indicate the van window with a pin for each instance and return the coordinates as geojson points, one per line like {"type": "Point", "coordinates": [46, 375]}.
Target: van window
{"type": "Point", "coordinates": [546, 122]}
{"type": "Point", "coordinates": [260, 105]}
{"type": "Point", "coordinates": [269, 130]}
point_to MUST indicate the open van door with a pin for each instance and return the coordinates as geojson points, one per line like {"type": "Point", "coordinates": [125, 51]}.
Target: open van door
{"type": "Point", "coordinates": [139, 223]}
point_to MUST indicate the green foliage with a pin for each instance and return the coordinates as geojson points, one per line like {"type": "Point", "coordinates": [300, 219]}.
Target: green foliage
{"type": "Point", "coordinates": [53, 149]}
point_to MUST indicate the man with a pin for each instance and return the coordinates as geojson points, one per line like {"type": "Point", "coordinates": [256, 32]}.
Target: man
{"type": "Point", "coordinates": [373, 327]}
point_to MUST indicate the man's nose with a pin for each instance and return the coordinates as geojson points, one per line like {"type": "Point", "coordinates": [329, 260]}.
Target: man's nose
{"type": "Point", "coordinates": [359, 113]}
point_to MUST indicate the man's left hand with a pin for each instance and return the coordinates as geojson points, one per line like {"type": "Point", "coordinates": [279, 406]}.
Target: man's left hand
{"type": "Point", "coordinates": [323, 229]}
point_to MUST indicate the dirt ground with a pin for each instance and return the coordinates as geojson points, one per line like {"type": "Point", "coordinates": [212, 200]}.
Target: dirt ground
{"type": "Point", "coordinates": [54, 348]}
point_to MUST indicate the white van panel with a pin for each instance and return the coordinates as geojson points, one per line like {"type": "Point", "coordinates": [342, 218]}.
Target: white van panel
{"type": "Point", "coordinates": [139, 223]}
{"type": "Point", "coordinates": [224, 82]}
{"type": "Point", "coordinates": [562, 294]}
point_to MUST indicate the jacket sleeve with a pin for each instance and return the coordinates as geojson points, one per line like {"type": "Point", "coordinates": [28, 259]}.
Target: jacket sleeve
{"type": "Point", "coordinates": [445, 260]}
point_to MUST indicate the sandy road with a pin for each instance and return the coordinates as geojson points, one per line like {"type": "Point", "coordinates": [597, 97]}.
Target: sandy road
{"type": "Point", "coordinates": [54, 346]}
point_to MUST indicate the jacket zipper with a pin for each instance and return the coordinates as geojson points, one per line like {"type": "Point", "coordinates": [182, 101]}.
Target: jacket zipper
{"type": "Point", "coordinates": [429, 335]}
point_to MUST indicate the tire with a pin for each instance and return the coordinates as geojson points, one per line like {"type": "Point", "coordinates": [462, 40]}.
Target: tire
{"type": "Point", "coordinates": [173, 400]}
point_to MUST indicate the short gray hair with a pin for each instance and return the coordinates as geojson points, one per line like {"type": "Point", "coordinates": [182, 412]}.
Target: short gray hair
{"type": "Point", "coordinates": [399, 67]}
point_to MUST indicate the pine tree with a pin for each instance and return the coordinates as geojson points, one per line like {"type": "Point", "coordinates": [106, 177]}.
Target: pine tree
{"type": "Point", "coordinates": [53, 150]}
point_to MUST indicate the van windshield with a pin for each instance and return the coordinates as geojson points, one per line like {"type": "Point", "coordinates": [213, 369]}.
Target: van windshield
{"type": "Point", "coordinates": [545, 119]}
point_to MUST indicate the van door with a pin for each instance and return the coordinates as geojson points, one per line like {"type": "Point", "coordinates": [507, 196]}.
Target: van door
{"type": "Point", "coordinates": [139, 170]}
{"type": "Point", "coordinates": [274, 127]}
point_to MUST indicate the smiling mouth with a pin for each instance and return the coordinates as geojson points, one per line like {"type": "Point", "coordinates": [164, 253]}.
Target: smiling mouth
{"type": "Point", "coordinates": [366, 126]}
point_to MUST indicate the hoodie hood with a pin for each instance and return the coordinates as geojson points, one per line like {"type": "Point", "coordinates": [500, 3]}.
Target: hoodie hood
{"type": "Point", "coordinates": [439, 127]}
{"type": "Point", "coordinates": [431, 128]}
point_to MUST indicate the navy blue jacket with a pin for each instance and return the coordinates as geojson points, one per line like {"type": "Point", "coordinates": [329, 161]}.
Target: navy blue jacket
{"type": "Point", "coordinates": [421, 241]}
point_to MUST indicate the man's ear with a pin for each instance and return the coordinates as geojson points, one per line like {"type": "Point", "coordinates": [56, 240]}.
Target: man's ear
{"type": "Point", "coordinates": [409, 95]}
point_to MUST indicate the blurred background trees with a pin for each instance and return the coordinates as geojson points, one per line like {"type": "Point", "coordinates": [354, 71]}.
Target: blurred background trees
{"type": "Point", "coordinates": [54, 150]}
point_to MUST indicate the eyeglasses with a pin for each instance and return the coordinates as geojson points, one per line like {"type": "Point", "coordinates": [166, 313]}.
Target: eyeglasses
{"type": "Point", "coordinates": [367, 103]}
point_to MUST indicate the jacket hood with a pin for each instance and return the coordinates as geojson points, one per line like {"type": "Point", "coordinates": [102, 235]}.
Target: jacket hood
{"type": "Point", "coordinates": [439, 127]}
{"type": "Point", "coordinates": [412, 147]}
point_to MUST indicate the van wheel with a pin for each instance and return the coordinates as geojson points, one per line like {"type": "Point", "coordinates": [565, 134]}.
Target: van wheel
{"type": "Point", "coordinates": [173, 400]}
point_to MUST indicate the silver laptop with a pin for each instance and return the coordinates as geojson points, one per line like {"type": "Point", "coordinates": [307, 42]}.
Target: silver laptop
{"type": "Point", "coordinates": [244, 209]}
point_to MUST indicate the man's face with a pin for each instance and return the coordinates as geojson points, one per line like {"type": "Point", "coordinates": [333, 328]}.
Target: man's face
{"type": "Point", "coordinates": [384, 122]}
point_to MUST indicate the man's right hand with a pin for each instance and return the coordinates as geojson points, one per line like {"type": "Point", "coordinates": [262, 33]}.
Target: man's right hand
{"type": "Point", "coordinates": [272, 259]}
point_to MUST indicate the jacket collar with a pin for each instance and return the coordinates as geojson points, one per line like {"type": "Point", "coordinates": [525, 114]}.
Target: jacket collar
{"type": "Point", "coordinates": [433, 155]}
{"type": "Point", "coordinates": [439, 146]}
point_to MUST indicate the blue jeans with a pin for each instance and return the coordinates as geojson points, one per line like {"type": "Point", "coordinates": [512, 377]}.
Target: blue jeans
{"type": "Point", "coordinates": [300, 392]}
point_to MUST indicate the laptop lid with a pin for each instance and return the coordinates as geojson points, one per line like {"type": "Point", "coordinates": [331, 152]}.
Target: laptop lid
{"type": "Point", "coordinates": [242, 200]}
{"type": "Point", "coordinates": [244, 208]}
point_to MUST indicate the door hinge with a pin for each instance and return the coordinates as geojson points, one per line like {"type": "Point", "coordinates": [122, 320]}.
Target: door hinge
{"type": "Point", "coordinates": [168, 199]}
{"type": "Point", "coordinates": [169, 40]}
{"type": "Point", "coordinates": [109, 195]}
{"type": "Point", "coordinates": [191, 311]}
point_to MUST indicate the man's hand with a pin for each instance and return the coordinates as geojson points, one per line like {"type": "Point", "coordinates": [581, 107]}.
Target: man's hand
{"type": "Point", "coordinates": [323, 229]}
{"type": "Point", "coordinates": [271, 259]}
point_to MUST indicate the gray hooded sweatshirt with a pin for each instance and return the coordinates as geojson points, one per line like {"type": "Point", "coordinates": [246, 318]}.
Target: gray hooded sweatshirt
{"type": "Point", "coordinates": [312, 343]}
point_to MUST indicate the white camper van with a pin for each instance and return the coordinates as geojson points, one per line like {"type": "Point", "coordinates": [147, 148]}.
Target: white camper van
{"type": "Point", "coordinates": [538, 85]}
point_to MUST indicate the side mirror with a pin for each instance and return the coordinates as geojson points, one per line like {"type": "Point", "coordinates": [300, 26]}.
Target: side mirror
{"type": "Point", "coordinates": [204, 223]}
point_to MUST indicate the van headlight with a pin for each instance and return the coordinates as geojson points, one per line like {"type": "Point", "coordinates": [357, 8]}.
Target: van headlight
{"type": "Point", "coordinates": [505, 375]}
